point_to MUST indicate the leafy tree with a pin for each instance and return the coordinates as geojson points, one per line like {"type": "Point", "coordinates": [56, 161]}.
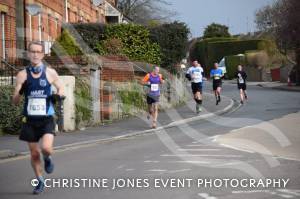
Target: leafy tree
{"type": "Point", "coordinates": [216, 30]}
{"type": "Point", "coordinates": [282, 20]}
{"type": "Point", "coordinates": [172, 39]}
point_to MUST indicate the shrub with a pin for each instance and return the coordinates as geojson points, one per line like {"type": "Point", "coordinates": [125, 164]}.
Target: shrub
{"type": "Point", "coordinates": [10, 116]}
{"type": "Point", "coordinates": [90, 33]}
{"type": "Point", "coordinates": [136, 44]}
{"type": "Point", "coordinates": [199, 50]}
{"type": "Point", "coordinates": [65, 45]}
{"type": "Point", "coordinates": [132, 97]}
{"type": "Point", "coordinates": [172, 39]}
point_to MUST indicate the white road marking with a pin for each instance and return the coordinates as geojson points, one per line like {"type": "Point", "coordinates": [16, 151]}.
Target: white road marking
{"type": "Point", "coordinates": [206, 196]}
{"type": "Point", "coordinates": [191, 162]}
{"type": "Point", "coordinates": [157, 170]}
{"type": "Point", "coordinates": [198, 149]}
{"type": "Point", "coordinates": [202, 155]}
{"type": "Point", "coordinates": [293, 192]}
{"type": "Point", "coordinates": [177, 171]}
{"type": "Point", "coordinates": [235, 148]}
{"type": "Point", "coordinates": [151, 161]}
{"type": "Point", "coordinates": [130, 169]}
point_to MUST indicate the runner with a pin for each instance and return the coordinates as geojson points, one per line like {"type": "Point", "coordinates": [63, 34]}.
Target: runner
{"type": "Point", "coordinates": [241, 83]}
{"type": "Point", "coordinates": [195, 75]}
{"type": "Point", "coordinates": [38, 123]}
{"type": "Point", "coordinates": [217, 74]}
{"type": "Point", "coordinates": [153, 81]}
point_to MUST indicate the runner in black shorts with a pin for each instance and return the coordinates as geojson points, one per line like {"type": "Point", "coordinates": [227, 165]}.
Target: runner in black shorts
{"type": "Point", "coordinates": [153, 80]}
{"type": "Point", "coordinates": [241, 83]}
{"type": "Point", "coordinates": [195, 74]}
{"type": "Point", "coordinates": [34, 83]}
{"type": "Point", "coordinates": [217, 74]}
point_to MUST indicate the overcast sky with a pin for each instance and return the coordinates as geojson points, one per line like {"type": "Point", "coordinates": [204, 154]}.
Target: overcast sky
{"type": "Point", "coordinates": [239, 15]}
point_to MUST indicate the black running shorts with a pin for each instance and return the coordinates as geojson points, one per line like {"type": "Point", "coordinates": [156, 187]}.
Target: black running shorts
{"type": "Point", "coordinates": [34, 128]}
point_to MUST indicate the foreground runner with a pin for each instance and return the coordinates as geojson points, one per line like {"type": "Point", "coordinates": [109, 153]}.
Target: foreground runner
{"type": "Point", "coordinates": [217, 74]}
{"type": "Point", "coordinates": [195, 75]}
{"type": "Point", "coordinates": [38, 123]}
{"type": "Point", "coordinates": [241, 83]}
{"type": "Point", "coordinates": [153, 80]}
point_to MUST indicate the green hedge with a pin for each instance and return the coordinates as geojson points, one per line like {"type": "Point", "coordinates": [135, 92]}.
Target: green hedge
{"type": "Point", "coordinates": [10, 115]}
{"type": "Point", "coordinates": [217, 50]}
{"type": "Point", "coordinates": [212, 50]}
{"type": "Point", "coordinates": [136, 43]}
{"type": "Point", "coordinates": [199, 50]}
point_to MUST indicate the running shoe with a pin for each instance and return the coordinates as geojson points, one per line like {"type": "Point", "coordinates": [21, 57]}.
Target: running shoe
{"type": "Point", "coordinates": [49, 166]}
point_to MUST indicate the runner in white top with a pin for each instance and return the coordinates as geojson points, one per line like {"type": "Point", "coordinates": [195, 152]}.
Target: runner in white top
{"type": "Point", "coordinates": [195, 75]}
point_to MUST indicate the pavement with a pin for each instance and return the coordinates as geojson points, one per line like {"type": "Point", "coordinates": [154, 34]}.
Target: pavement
{"type": "Point", "coordinates": [11, 146]}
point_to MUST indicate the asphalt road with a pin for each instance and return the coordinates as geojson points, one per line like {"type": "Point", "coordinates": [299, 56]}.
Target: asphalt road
{"type": "Point", "coordinates": [185, 159]}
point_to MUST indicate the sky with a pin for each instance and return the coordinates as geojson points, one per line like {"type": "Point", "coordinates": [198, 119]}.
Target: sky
{"type": "Point", "coordinates": [238, 15]}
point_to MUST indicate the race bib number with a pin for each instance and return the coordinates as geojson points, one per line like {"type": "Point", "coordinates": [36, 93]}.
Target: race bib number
{"type": "Point", "coordinates": [36, 106]}
{"type": "Point", "coordinates": [154, 87]}
{"type": "Point", "coordinates": [216, 77]}
{"type": "Point", "coordinates": [241, 80]}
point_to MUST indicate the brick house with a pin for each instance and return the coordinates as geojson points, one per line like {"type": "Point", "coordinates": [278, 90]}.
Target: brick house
{"type": "Point", "coordinates": [22, 21]}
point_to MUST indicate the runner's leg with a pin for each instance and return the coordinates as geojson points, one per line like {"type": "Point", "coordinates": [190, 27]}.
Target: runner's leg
{"type": "Point", "coordinates": [47, 149]}
{"type": "Point", "coordinates": [155, 114]}
{"type": "Point", "coordinates": [35, 158]}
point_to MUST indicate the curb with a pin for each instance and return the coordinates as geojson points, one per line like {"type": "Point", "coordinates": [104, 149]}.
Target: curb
{"type": "Point", "coordinates": [75, 145]}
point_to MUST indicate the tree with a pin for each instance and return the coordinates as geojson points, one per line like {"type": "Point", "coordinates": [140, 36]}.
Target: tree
{"type": "Point", "coordinates": [216, 30]}
{"type": "Point", "coordinates": [172, 39]}
{"type": "Point", "coordinates": [282, 20]}
{"type": "Point", "coordinates": [144, 11]}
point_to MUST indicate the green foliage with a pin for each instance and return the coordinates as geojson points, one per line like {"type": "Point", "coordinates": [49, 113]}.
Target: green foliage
{"type": "Point", "coordinates": [217, 50]}
{"type": "Point", "coordinates": [136, 44]}
{"type": "Point", "coordinates": [90, 33]}
{"type": "Point", "coordinates": [216, 30]}
{"type": "Point", "coordinates": [209, 51]}
{"type": "Point", "coordinates": [10, 115]}
{"type": "Point", "coordinates": [132, 97]}
{"type": "Point", "coordinates": [199, 50]}
{"type": "Point", "coordinates": [110, 46]}
{"type": "Point", "coordinates": [231, 63]}
{"type": "Point", "coordinates": [172, 39]}
{"type": "Point", "coordinates": [83, 103]}
{"type": "Point", "coordinates": [65, 45]}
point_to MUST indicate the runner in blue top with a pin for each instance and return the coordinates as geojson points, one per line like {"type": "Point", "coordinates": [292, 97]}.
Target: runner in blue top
{"type": "Point", "coordinates": [195, 74]}
{"type": "Point", "coordinates": [35, 83]}
{"type": "Point", "coordinates": [217, 74]}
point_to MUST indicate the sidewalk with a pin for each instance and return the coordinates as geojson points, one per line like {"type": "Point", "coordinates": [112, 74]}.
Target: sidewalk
{"type": "Point", "coordinates": [272, 85]}
{"type": "Point", "coordinates": [11, 146]}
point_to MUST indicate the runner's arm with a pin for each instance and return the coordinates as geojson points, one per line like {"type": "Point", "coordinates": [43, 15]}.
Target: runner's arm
{"type": "Point", "coordinates": [145, 80]}
{"type": "Point", "coordinates": [20, 79]}
{"type": "Point", "coordinates": [57, 83]}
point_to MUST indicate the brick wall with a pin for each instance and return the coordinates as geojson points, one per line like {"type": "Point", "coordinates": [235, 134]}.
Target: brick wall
{"type": "Point", "coordinates": [7, 8]}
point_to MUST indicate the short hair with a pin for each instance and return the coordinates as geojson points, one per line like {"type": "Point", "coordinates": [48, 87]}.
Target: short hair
{"type": "Point", "coordinates": [36, 43]}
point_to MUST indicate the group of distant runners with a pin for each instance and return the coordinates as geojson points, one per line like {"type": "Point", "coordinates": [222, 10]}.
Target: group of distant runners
{"type": "Point", "coordinates": [195, 74]}
{"type": "Point", "coordinates": [34, 83]}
